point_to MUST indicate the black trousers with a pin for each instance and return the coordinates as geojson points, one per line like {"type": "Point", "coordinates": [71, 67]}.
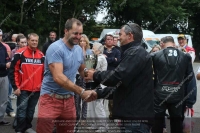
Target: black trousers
{"type": "Point", "coordinates": [175, 113]}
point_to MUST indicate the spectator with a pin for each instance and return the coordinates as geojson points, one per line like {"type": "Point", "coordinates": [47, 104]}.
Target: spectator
{"type": "Point", "coordinates": [7, 40]}
{"type": "Point", "coordinates": [192, 85]}
{"type": "Point", "coordinates": [21, 42]}
{"type": "Point", "coordinates": [6, 45]}
{"type": "Point", "coordinates": [4, 83]}
{"type": "Point", "coordinates": [113, 57]}
{"type": "Point", "coordinates": [9, 109]}
{"type": "Point", "coordinates": [115, 43]}
{"type": "Point", "coordinates": [14, 37]}
{"type": "Point", "coordinates": [155, 48]}
{"type": "Point", "coordinates": [52, 38]}
{"type": "Point", "coordinates": [84, 44]}
{"type": "Point", "coordinates": [96, 110]}
{"type": "Point", "coordinates": [182, 40]}
{"type": "Point", "coordinates": [26, 74]}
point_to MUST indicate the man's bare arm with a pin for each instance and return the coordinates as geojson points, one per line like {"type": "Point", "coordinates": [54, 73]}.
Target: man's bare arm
{"type": "Point", "coordinates": [58, 76]}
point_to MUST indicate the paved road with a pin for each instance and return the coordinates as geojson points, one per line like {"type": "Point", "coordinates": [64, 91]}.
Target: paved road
{"type": "Point", "coordinates": [8, 129]}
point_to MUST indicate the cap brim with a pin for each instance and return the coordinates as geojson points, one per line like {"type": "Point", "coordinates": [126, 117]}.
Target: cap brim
{"type": "Point", "coordinates": [181, 37]}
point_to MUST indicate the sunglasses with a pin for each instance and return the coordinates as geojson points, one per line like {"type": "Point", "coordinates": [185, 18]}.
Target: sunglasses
{"type": "Point", "coordinates": [130, 28]}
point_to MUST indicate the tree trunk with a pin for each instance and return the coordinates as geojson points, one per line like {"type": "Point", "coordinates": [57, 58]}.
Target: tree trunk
{"type": "Point", "coordinates": [60, 18]}
{"type": "Point", "coordinates": [21, 14]}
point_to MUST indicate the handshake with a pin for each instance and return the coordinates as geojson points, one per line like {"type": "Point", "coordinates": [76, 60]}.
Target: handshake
{"type": "Point", "coordinates": [88, 95]}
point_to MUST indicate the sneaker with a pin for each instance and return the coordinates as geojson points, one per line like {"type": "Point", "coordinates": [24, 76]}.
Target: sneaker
{"type": "Point", "coordinates": [13, 96]}
{"type": "Point", "coordinates": [4, 123]}
{"type": "Point", "coordinates": [12, 114]}
{"type": "Point", "coordinates": [30, 130]}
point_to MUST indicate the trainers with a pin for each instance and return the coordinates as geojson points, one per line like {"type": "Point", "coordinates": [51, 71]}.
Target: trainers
{"type": "Point", "coordinates": [12, 114]}
{"type": "Point", "coordinates": [4, 123]}
{"type": "Point", "coordinates": [13, 96]}
{"type": "Point", "coordinates": [30, 130]}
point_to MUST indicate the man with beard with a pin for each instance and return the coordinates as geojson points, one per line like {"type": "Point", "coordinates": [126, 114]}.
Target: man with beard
{"type": "Point", "coordinates": [63, 59]}
{"type": "Point", "coordinates": [52, 38]}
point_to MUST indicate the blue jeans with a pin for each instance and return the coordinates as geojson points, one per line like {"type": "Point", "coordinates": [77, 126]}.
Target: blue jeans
{"type": "Point", "coordinates": [26, 103]}
{"type": "Point", "coordinates": [9, 108]}
{"type": "Point", "coordinates": [135, 128]}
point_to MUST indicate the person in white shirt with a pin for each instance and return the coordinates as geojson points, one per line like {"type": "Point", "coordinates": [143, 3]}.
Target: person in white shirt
{"type": "Point", "coordinates": [96, 109]}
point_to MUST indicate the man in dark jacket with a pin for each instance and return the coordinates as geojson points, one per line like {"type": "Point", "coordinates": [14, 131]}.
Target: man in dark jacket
{"type": "Point", "coordinates": [4, 83]}
{"type": "Point", "coordinates": [113, 57]}
{"type": "Point", "coordinates": [133, 79]}
{"type": "Point", "coordinates": [173, 69]}
{"type": "Point", "coordinates": [52, 38]}
{"type": "Point", "coordinates": [112, 54]}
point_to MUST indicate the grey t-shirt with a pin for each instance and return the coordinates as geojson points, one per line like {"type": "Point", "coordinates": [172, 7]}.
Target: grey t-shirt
{"type": "Point", "coordinates": [71, 59]}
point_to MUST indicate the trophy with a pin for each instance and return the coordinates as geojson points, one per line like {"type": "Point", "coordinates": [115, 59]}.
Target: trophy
{"type": "Point", "coordinates": [90, 63]}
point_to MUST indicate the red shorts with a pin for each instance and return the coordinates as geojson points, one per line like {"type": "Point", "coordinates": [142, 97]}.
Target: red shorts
{"type": "Point", "coordinates": [59, 112]}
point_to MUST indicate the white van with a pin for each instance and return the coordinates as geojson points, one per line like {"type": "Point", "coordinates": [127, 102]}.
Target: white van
{"type": "Point", "coordinates": [150, 38]}
{"type": "Point", "coordinates": [188, 37]}
{"type": "Point", "coordinates": [148, 41]}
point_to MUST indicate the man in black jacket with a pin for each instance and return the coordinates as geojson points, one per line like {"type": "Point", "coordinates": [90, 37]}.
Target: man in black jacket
{"type": "Point", "coordinates": [52, 38]}
{"type": "Point", "coordinates": [4, 83]}
{"type": "Point", "coordinates": [111, 53]}
{"type": "Point", "coordinates": [133, 79]}
{"type": "Point", "coordinates": [113, 57]}
{"type": "Point", "coordinates": [173, 69]}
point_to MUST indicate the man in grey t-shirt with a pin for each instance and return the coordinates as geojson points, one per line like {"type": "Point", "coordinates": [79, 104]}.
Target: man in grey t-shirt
{"type": "Point", "coordinates": [63, 59]}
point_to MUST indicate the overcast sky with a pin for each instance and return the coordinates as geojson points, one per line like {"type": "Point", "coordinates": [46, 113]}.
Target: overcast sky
{"type": "Point", "coordinates": [101, 15]}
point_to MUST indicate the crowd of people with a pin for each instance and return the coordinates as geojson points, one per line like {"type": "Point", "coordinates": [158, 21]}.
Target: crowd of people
{"type": "Point", "coordinates": [140, 86]}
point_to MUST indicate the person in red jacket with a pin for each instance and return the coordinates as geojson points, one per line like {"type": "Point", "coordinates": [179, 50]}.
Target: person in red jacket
{"type": "Point", "coordinates": [182, 40]}
{"type": "Point", "coordinates": [26, 71]}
